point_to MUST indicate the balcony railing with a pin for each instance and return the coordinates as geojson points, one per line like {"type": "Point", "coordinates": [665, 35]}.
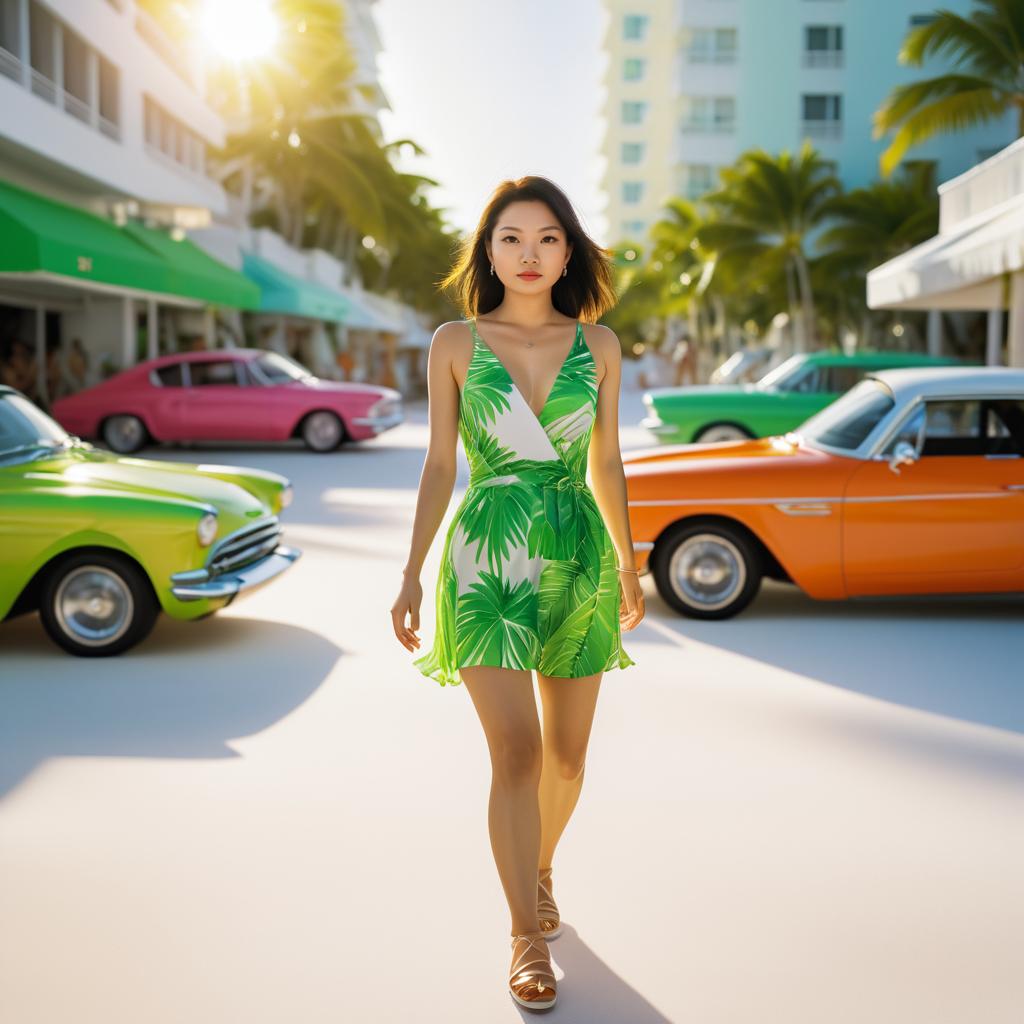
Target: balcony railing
{"type": "Point", "coordinates": [10, 65]}
{"type": "Point", "coordinates": [820, 129]}
{"type": "Point", "coordinates": [710, 56]}
{"type": "Point", "coordinates": [823, 58]}
{"type": "Point", "coordinates": [706, 127]}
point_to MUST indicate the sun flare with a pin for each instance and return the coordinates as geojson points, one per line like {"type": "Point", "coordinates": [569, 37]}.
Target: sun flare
{"type": "Point", "coordinates": [239, 29]}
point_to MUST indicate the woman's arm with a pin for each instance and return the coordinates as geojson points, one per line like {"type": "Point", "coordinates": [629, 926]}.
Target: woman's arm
{"type": "Point", "coordinates": [437, 479]}
{"type": "Point", "coordinates": [606, 472]}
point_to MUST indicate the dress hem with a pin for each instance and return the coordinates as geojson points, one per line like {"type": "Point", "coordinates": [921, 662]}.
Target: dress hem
{"type": "Point", "coordinates": [450, 677]}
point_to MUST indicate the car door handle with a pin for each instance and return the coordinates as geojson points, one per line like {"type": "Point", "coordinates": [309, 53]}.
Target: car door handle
{"type": "Point", "coordinates": [1013, 487]}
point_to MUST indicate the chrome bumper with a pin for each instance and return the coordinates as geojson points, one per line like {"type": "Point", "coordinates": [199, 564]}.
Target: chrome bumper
{"type": "Point", "coordinates": [378, 424]}
{"type": "Point", "coordinates": [656, 425]}
{"type": "Point", "coordinates": [236, 581]}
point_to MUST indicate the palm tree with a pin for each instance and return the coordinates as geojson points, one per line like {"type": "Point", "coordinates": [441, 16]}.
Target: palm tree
{"type": "Point", "coordinates": [871, 225]}
{"type": "Point", "coordinates": [989, 44]}
{"type": "Point", "coordinates": [761, 217]}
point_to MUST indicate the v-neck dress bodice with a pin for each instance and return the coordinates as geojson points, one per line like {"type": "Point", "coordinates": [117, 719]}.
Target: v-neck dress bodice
{"type": "Point", "coordinates": [528, 576]}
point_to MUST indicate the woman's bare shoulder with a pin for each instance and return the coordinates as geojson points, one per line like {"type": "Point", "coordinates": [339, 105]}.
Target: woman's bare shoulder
{"type": "Point", "coordinates": [451, 337]}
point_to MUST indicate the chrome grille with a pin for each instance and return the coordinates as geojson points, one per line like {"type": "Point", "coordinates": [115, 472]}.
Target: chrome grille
{"type": "Point", "coordinates": [244, 546]}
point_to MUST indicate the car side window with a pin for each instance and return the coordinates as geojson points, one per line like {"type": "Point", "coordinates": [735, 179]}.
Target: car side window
{"type": "Point", "coordinates": [171, 376]}
{"type": "Point", "coordinates": [964, 427]}
{"type": "Point", "coordinates": [246, 377]}
{"type": "Point", "coordinates": [220, 373]}
{"type": "Point", "coordinates": [1004, 426]}
{"type": "Point", "coordinates": [841, 378]}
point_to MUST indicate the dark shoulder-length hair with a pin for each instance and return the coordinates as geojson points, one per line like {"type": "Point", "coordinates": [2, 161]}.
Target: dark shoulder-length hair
{"type": "Point", "coordinates": [584, 293]}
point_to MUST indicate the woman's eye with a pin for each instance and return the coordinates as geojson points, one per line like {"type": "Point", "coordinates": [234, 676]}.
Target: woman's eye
{"type": "Point", "coordinates": [507, 237]}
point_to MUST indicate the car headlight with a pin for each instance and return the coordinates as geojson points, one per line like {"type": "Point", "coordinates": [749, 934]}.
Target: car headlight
{"type": "Point", "coordinates": [206, 530]}
{"type": "Point", "coordinates": [286, 496]}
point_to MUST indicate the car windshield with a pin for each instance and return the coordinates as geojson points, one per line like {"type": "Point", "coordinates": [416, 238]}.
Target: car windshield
{"type": "Point", "coordinates": [847, 421]}
{"type": "Point", "coordinates": [279, 369]}
{"type": "Point", "coordinates": [779, 377]}
{"type": "Point", "coordinates": [24, 425]}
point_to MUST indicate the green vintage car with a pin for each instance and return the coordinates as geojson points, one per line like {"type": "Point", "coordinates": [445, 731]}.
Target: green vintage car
{"type": "Point", "coordinates": [779, 402]}
{"type": "Point", "coordinates": [99, 543]}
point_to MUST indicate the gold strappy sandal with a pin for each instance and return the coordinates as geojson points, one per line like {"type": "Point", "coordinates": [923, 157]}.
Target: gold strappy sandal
{"type": "Point", "coordinates": [547, 912]}
{"type": "Point", "coordinates": [532, 986]}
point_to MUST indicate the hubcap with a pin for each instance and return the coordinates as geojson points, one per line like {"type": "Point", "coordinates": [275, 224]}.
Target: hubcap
{"type": "Point", "coordinates": [722, 433]}
{"type": "Point", "coordinates": [707, 571]}
{"type": "Point", "coordinates": [323, 430]}
{"type": "Point", "coordinates": [124, 432]}
{"type": "Point", "coordinates": [94, 605]}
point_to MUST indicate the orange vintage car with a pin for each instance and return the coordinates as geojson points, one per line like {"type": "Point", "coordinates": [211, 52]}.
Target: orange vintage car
{"type": "Point", "coordinates": [910, 483]}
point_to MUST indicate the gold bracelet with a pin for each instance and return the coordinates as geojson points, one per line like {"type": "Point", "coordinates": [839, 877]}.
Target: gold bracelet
{"type": "Point", "coordinates": [621, 569]}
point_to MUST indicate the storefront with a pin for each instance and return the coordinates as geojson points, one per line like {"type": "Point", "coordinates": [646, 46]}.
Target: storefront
{"type": "Point", "coordinates": [82, 297]}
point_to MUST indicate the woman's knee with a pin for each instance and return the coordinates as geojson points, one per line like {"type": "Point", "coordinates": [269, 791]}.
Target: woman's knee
{"type": "Point", "coordinates": [517, 757]}
{"type": "Point", "coordinates": [569, 763]}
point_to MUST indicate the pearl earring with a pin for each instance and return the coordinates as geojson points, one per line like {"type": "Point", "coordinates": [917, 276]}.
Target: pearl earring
{"type": "Point", "coordinates": [565, 270]}
{"type": "Point", "coordinates": [492, 268]}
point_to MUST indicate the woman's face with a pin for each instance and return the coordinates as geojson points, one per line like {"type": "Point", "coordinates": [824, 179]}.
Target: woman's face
{"type": "Point", "coordinates": [528, 239]}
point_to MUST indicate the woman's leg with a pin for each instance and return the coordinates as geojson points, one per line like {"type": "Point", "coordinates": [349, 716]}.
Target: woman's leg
{"type": "Point", "coordinates": [568, 715]}
{"type": "Point", "coordinates": [504, 701]}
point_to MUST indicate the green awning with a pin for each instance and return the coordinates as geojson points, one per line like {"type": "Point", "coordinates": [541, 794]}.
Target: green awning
{"type": "Point", "coordinates": [195, 273]}
{"type": "Point", "coordinates": [38, 234]}
{"type": "Point", "coordinates": [285, 293]}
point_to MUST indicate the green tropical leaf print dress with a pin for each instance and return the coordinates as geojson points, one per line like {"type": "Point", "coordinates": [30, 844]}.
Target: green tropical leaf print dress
{"type": "Point", "coordinates": [528, 575]}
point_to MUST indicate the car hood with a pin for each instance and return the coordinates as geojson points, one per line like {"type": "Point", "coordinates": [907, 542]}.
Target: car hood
{"type": "Point", "coordinates": [344, 387]}
{"type": "Point", "coordinates": [104, 471]}
{"type": "Point", "coordinates": [752, 467]}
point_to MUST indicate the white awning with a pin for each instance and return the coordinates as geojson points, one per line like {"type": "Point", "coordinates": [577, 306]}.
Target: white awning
{"type": "Point", "coordinates": [963, 269]}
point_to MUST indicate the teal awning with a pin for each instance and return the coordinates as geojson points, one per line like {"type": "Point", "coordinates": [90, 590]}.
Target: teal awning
{"type": "Point", "coordinates": [41, 235]}
{"type": "Point", "coordinates": [285, 293]}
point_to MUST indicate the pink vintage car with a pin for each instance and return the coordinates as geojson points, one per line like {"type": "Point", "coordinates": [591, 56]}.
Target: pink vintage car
{"type": "Point", "coordinates": [241, 394]}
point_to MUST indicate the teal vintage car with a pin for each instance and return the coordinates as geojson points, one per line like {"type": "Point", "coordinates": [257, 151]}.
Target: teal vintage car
{"type": "Point", "coordinates": [99, 543]}
{"type": "Point", "coordinates": [779, 402]}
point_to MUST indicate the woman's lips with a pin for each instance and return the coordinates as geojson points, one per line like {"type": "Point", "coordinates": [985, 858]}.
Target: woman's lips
{"type": "Point", "coordinates": [529, 275]}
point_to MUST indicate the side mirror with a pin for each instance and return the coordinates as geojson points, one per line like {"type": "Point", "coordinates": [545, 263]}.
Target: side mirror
{"type": "Point", "coordinates": [904, 452]}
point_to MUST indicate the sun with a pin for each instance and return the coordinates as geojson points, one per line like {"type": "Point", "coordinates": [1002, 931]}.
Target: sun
{"type": "Point", "coordinates": [238, 30]}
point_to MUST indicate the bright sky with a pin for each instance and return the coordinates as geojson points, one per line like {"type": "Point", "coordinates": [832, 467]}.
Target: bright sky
{"type": "Point", "coordinates": [494, 91]}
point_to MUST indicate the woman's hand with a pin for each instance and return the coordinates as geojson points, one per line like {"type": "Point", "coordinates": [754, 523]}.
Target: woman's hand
{"type": "Point", "coordinates": [407, 603]}
{"type": "Point", "coordinates": [631, 605]}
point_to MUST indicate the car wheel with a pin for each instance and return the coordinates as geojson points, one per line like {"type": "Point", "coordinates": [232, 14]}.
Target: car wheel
{"type": "Point", "coordinates": [322, 431]}
{"type": "Point", "coordinates": [97, 603]}
{"type": "Point", "coordinates": [706, 570]}
{"type": "Point", "coordinates": [722, 432]}
{"type": "Point", "coordinates": [124, 433]}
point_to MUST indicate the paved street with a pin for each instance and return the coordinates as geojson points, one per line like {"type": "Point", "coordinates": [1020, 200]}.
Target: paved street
{"type": "Point", "coordinates": [810, 814]}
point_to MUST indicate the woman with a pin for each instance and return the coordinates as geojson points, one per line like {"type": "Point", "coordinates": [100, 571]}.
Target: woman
{"type": "Point", "coordinates": [537, 571]}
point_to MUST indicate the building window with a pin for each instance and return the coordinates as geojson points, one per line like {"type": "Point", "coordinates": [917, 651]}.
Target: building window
{"type": "Point", "coordinates": [698, 179]}
{"type": "Point", "coordinates": [822, 115]}
{"type": "Point", "coordinates": [633, 229]}
{"type": "Point", "coordinates": [632, 152]}
{"type": "Point", "coordinates": [709, 114]}
{"type": "Point", "coordinates": [917, 20]}
{"type": "Point", "coordinates": [633, 111]}
{"type": "Point", "coordinates": [711, 46]}
{"type": "Point", "coordinates": [633, 69]}
{"type": "Point", "coordinates": [59, 66]}
{"type": "Point", "coordinates": [634, 26]}
{"type": "Point", "coordinates": [171, 138]}
{"type": "Point", "coordinates": [632, 191]}
{"type": "Point", "coordinates": [823, 46]}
